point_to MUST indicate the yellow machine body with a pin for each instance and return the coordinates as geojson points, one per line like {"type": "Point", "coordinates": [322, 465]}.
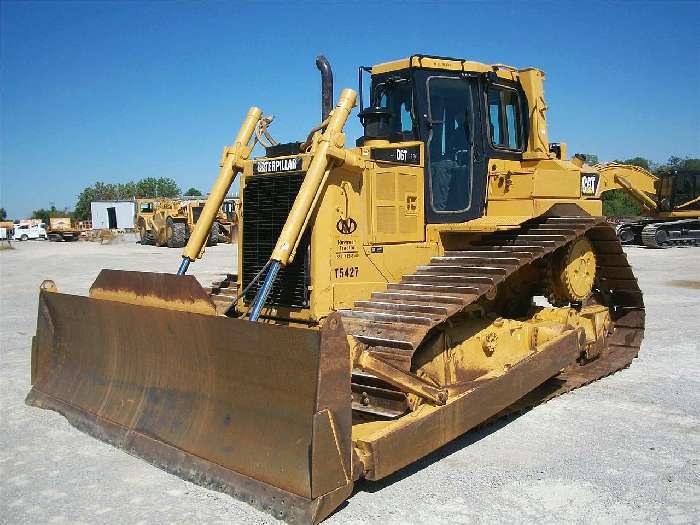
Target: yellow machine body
{"type": "Point", "coordinates": [392, 326]}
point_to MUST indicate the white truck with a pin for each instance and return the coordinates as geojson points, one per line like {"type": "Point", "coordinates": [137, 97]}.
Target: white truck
{"type": "Point", "coordinates": [25, 232]}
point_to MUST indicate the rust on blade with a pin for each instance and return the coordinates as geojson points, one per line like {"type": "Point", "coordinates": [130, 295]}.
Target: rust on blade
{"type": "Point", "coordinates": [196, 395]}
{"type": "Point", "coordinates": [160, 290]}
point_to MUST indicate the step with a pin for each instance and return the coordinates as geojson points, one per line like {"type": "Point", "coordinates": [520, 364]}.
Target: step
{"type": "Point", "coordinates": [478, 262]}
{"type": "Point", "coordinates": [428, 298]}
{"type": "Point", "coordinates": [402, 307]}
{"type": "Point", "coordinates": [448, 279]}
{"type": "Point", "coordinates": [370, 340]}
{"type": "Point", "coordinates": [384, 317]}
{"type": "Point", "coordinates": [522, 251]}
{"type": "Point", "coordinates": [438, 289]}
{"type": "Point", "coordinates": [459, 269]}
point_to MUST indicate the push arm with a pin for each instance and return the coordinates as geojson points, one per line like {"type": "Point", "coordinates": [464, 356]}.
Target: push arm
{"type": "Point", "coordinates": [231, 165]}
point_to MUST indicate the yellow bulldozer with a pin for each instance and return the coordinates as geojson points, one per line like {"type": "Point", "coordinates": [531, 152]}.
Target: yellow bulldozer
{"type": "Point", "coordinates": [169, 222]}
{"type": "Point", "coordinates": [449, 268]}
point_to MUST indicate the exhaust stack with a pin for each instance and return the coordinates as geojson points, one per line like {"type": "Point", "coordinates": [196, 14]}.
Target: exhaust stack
{"type": "Point", "coordinates": [326, 86]}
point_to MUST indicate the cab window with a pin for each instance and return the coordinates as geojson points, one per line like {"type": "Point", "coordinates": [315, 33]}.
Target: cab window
{"type": "Point", "coordinates": [505, 119]}
{"type": "Point", "coordinates": [449, 147]}
{"type": "Point", "coordinates": [687, 189]}
{"type": "Point", "coordinates": [396, 95]}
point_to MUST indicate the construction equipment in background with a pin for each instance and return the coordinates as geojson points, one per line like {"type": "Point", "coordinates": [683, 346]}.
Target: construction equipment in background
{"type": "Point", "coordinates": [8, 226]}
{"type": "Point", "coordinates": [670, 201]}
{"type": "Point", "coordinates": [383, 302]}
{"type": "Point", "coordinates": [6, 234]}
{"type": "Point", "coordinates": [169, 222]}
{"type": "Point", "coordinates": [228, 220]}
{"type": "Point", "coordinates": [61, 229]}
{"type": "Point", "coordinates": [144, 219]}
{"type": "Point", "coordinates": [84, 227]}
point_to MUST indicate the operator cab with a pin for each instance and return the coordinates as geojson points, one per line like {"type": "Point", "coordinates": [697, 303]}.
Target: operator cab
{"type": "Point", "coordinates": [464, 112]}
{"type": "Point", "coordinates": [680, 191]}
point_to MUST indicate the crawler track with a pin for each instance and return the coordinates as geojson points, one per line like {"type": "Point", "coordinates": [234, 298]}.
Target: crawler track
{"type": "Point", "coordinates": [394, 323]}
{"type": "Point", "coordinates": [672, 233]}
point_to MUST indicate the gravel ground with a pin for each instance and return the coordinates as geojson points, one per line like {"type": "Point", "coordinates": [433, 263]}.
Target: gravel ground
{"type": "Point", "coordinates": [625, 449]}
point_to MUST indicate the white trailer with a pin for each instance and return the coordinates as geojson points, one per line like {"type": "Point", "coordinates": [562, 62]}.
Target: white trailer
{"type": "Point", "coordinates": [113, 215]}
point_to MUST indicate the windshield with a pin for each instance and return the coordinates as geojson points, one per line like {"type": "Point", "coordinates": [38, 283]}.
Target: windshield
{"type": "Point", "coordinates": [396, 95]}
{"type": "Point", "coordinates": [449, 147]}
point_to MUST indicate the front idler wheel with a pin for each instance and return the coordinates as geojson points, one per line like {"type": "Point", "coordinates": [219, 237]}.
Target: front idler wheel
{"type": "Point", "coordinates": [572, 272]}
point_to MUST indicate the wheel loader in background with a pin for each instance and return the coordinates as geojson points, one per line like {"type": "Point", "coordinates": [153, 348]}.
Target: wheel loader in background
{"type": "Point", "coordinates": [383, 302]}
{"type": "Point", "coordinates": [671, 203]}
{"type": "Point", "coordinates": [169, 222]}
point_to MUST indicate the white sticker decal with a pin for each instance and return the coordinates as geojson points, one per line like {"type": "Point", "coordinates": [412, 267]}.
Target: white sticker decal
{"type": "Point", "coordinates": [589, 184]}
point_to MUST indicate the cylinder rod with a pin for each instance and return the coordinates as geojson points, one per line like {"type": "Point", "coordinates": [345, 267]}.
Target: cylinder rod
{"type": "Point", "coordinates": [264, 291]}
{"type": "Point", "coordinates": [183, 266]}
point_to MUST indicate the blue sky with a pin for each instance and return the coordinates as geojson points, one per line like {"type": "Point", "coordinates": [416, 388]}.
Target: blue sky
{"type": "Point", "coordinates": [116, 91]}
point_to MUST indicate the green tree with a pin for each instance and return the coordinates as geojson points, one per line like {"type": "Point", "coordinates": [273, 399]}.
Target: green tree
{"type": "Point", "coordinates": [100, 191]}
{"type": "Point", "coordinates": [127, 190]}
{"type": "Point", "coordinates": [3, 214]}
{"type": "Point", "coordinates": [46, 213]}
{"type": "Point", "coordinates": [591, 159]}
{"type": "Point", "coordinates": [638, 161]}
{"type": "Point", "coordinates": [167, 187]}
{"type": "Point", "coordinates": [617, 203]}
{"type": "Point", "coordinates": [692, 165]}
{"type": "Point", "coordinates": [89, 194]}
{"type": "Point", "coordinates": [679, 164]}
{"type": "Point", "coordinates": [147, 187]}
{"type": "Point", "coordinates": [194, 192]}
{"type": "Point", "coordinates": [152, 187]}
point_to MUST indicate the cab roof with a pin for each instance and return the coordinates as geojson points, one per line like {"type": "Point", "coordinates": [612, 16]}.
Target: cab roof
{"type": "Point", "coordinates": [447, 64]}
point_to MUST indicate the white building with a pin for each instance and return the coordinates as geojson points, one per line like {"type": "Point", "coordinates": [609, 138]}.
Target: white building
{"type": "Point", "coordinates": [112, 214]}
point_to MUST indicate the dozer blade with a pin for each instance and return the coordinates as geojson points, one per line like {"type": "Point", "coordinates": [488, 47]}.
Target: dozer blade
{"type": "Point", "coordinates": [259, 411]}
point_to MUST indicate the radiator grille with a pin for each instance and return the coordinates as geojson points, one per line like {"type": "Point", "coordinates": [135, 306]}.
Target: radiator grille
{"type": "Point", "coordinates": [267, 200]}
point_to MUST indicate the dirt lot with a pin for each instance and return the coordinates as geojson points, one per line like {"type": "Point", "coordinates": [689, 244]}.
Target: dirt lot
{"type": "Point", "coordinates": [623, 449]}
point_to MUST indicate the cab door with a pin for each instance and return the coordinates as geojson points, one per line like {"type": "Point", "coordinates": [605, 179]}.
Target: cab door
{"type": "Point", "coordinates": [454, 166]}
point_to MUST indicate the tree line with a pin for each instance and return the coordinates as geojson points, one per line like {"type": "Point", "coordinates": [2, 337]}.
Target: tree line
{"type": "Point", "coordinates": [149, 187]}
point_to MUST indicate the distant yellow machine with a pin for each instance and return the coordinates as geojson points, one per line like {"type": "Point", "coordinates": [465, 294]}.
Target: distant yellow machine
{"type": "Point", "coordinates": [169, 222]}
{"type": "Point", "coordinates": [62, 229]}
{"type": "Point", "coordinates": [671, 203]}
{"type": "Point", "coordinates": [383, 302]}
